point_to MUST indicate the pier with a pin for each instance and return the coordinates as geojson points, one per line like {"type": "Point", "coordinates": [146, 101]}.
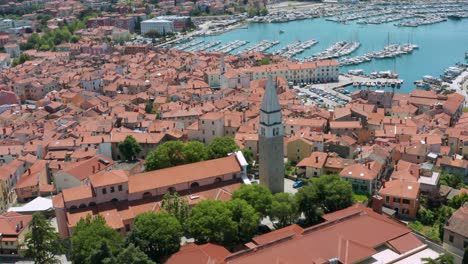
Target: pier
{"type": "Point", "coordinates": [295, 48]}
{"type": "Point", "coordinates": [231, 46]}
{"type": "Point", "coordinates": [339, 49]}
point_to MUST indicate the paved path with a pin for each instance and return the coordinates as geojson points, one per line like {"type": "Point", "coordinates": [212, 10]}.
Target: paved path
{"type": "Point", "coordinates": [460, 84]}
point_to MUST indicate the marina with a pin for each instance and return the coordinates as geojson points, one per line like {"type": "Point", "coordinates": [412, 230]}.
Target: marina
{"type": "Point", "coordinates": [443, 42]}
{"type": "Point", "coordinates": [295, 48]}
{"type": "Point", "coordinates": [262, 46]}
{"type": "Point", "coordinates": [338, 49]}
{"type": "Point", "coordinates": [231, 46]}
{"type": "Point", "coordinates": [189, 44]}
{"type": "Point", "coordinates": [388, 52]}
{"type": "Point", "coordinates": [208, 45]}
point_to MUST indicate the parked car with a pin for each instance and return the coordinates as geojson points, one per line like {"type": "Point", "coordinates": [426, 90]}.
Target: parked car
{"type": "Point", "coordinates": [298, 184]}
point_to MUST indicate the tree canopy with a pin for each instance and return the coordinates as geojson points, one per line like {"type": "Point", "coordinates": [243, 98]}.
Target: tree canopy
{"type": "Point", "coordinates": [129, 254]}
{"type": "Point", "coordinates": [195, 151]}
{"type": "Point", "coordinates": [308, 202]}
{"type": "Point", "coordinates": [211, 221]}
{"type": "Point", "coordinates": [333, 192]}
{"type": "Point", "coordinates": [42, 242]}
{"type": "Point", "coordinates": [284, 210]}
{"type": "Point", "coordinates": [156, 234]}
{"type": "Point", "coordinates": [258, 196]}
{"type": "Point", "coordinates": [177, 207]}
{"type": "Point", "coordinates": [221, 146]}
{"type": "Point", "coordinates": [174, 153]}
{"type": "Point", "coordinates": [129, 148]}
{"type": "Point", "coordinates": [89, 234]}
{"type": "Point", "coordinates": [166, 155]}
{"type": "Point", "coordinates": [246, 217]}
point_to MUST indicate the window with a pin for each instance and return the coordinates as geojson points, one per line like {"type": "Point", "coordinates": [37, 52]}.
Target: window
{"type": "Point", "coordinates": [212, 132]}
{"type": "Point", "coordinates": [120, 188]}
{"type": "Point", "coordinates": [234, 176]}
{"type": "Point", "coordinates": [465, 244]}
{"type": "Point", "coordinates": [387, 199]}
{"type": "Point", "coordinates": [112, 189]}
{"type": "Point", "coordinates": [396, 200]}
{"type": "Point", "coordinates": [406, 201]}
{"type": "Point", "coordinates": [212, 122]}
{"type": "Point", "coordinates": [451, 238]}
{"type": "Point", "coordinates": [104, 191]}
{"type": "Point", "coordinates": [127, 227]}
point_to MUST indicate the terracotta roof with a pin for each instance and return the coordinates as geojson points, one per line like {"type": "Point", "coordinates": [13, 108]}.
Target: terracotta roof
{"type": "Point", "coordinates": [199, 254]}
{"type": "Point", "coordinates": [9, 222]}
{"type": "Point", "coordinates": [106, 178]}
{"type": "Point", "coordinates": [358, 235]}
{"type": "Point", "coordinates": [77, 193]}
{"type": "Point", "coordinates": [405, 243]}
{"type": "Point", "coordinates": [402, 189]}
{"type": "Point", "coordinates": [315, 160]}
{"type": "Point", "coordinates": [183, 174]}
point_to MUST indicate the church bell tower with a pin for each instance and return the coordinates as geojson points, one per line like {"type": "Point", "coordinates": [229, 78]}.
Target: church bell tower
{"type": "Point", "coordinates": [271, 132]}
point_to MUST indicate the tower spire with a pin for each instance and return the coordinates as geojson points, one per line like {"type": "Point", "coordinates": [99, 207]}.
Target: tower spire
{"type": "Point", "coordinates": [271, 131]}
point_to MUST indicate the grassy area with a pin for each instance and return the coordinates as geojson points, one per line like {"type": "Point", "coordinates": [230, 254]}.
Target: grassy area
{"type": "Point", "coordinates": [360, 197]}
{"type": "Point", "coordinates": [431, 232]}
{"type": "Point", "coordinates": [465, 110]}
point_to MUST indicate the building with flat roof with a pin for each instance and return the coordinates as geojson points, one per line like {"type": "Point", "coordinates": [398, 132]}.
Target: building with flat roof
{"type": "Point", "coordinates": [161, 26]}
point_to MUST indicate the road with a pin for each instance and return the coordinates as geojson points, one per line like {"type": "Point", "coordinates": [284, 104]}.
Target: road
{"type": "Point", "coordinates": [460, 84]}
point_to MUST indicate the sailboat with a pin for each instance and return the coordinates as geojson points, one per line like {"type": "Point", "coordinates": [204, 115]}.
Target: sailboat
{"type": "Point", "coordinates": [281, 31]}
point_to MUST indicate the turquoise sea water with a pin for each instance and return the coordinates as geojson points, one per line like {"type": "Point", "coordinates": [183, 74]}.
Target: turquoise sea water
{"type": "Point", "coordinates": [440, 45]}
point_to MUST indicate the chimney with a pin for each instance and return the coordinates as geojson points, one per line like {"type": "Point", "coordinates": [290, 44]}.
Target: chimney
{"type": "Point", "coordinates": [82, 139]}
{"type": "Point", "coordinates": [425, 140]}
{"type": "Point", "coordinates": [21, 224]}
{"type": "Point", "coordinates": [59, 166]}
{"type": "Point", "coordinates": [29, 171]}
{"type": "Point", "coordinates": [229, 122]}
{"type": "Point", "coordinates": [86, 149]}
{"type": "Point", "coordinates": [316, 159]}
{"type": "Point", "coordinates": [74, 142]}
{"type": "Point", "coordinates": [377, 203]}
{"type": "Point", "coordinates": [4, 131]}
{"type": "Point", "coordinates": [102, 140]}
{"type": "Point", "coordinates": [368, 165]}
{"type": "Point", "coordinates": [94, 169]}
{"type": "Point", "coordinates": [99, 166]}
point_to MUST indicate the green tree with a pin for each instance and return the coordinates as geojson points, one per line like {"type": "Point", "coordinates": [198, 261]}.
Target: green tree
{"type": "Point", "coordinates": [308, 202]}
{"type": "Point", "coordinates": [130, 254]}
{"type": "Point", "coordinates": [221, 146]}
{"type": "Point", "coordinates": [452, 180]}
{"type": "Point", "coordinates": [211, 221]}
{"type": "Point", "coordinates": [458, 200]}
{"type": "Point", "coordinates": [89, 234]}
{"type": "Point", "coordinates": [258, 196]}
{"type": "Point", "coordinates": [156, 234]}
{"type": "Point", "coordinates": [129, 148]}
{"type": "Point", "coordinates": [149, 107]}
{"type": "Point", "coordinates": [177, 207]}
{"type": "Point", "coordinates": [20, 60]}
{"type": "Point", "coordinates": [152, 34]}
{"type": "Point", "coordinates": [333, 192]}
{"type": "Point", "coordinates": [263, 11]}
{"type": "Point", "coordinates": [443, 259]}
{"type": "Point", "coordinates": [246, 217]}
{"type": "Point", "coordinates": [252, 11]}
{"type": "Point", "coordinates": [100, 254]}
{"type": "Point", "coordinates": [284, 210]}
{"type": "Point", "coordinates": [167, 155]}
{"type": "Point", "coordinates": [42, 242]}
{"type": "Point", "coordinates": [265, 61]}
{"type": "Point", "coordinates": [248, 155]}
{"type": "Point", "coordinates": [426, 216]}
{"type": "Point", "coordinates": [195, 151]}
